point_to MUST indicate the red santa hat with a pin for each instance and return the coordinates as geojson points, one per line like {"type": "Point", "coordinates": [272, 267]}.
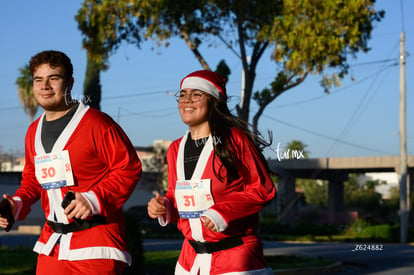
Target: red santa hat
{"type": "Point", "coordinates": [206, 81]}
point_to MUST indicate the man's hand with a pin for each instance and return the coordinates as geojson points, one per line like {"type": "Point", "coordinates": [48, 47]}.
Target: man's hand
{"type": "Point", "coordinates": [79, 208]}
{"type": "Point", "coordinates": [156, 206]}
{"type": "Point", "coordinates": [4, 222]}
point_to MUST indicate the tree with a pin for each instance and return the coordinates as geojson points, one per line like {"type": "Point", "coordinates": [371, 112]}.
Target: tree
{"type": "Point", "coordinates": [362, 195]}
{"type": "Point", "coordinates": [305, 37]}
{"type": "Point", "coordinates": [310, 36]}
{"type": "Point", "coordinates": [92, 88]}
{"type": "Point", "coordinates": [25, 92]}
{"type": "Point", "coordinates": [298, 146]}
{"type": "Point", "coordinates": [102, 31]}
{"type": "Point", "coordinates": [315, 191]}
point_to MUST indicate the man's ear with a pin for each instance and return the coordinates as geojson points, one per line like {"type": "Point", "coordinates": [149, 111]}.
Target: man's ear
{"type": "Point", "coordinates": [70, 84]}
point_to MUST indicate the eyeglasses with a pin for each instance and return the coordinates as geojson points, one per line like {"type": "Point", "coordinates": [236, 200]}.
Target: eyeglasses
{"type": "Point", "coordinates": [194, 96]}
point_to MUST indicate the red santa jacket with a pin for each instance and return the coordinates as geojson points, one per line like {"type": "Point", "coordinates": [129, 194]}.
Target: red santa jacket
{"type": "Point", "coordinates": [104, 164]}
{"type": "Point", "coordinates": [236, 205]}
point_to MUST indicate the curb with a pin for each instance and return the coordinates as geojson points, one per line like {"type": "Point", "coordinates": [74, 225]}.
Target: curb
{"type": "Point", "coordinates": [317, 270]}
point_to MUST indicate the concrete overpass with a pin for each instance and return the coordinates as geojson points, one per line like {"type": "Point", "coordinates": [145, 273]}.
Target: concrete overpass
{"type": "Point", "coordinates": [335, 170]}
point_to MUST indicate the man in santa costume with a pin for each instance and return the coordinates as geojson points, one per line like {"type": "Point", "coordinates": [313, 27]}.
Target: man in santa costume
{"type": "Point", "coordinates": [74, 150]}
{"type": "Point", "coordinates": [218, 181]}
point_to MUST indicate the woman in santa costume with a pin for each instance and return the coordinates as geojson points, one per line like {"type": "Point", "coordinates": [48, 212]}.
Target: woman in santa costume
{"type": "Point", "coordinates": [74, 150]}
{"type": "Point", "coordinates": [218, 182]}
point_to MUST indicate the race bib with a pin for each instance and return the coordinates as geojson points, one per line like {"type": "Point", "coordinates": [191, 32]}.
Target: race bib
{"type": "Point", "coordinates": [54, 170]}
{"type": "Point", "coordinates": [193, 197]}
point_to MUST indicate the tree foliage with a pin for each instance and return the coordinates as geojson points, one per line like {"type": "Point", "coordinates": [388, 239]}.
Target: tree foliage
{"type": "Point", "coordinates": [297, 145]}
{"type": "Point", "coordinates": [104, 25]}
{"type": "Point", "coordinates": [315, 191]}
{"type": "Point", "coordinates": [305, 37]}
{"type": "Point", "coordinates": [25, 92]}
{"type": "Point", "coordinates": [310, 36]}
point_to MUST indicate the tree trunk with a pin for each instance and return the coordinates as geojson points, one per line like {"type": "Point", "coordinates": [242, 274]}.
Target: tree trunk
{"type": "Point", "coordinates": [92, 86]}
{"type": "Point", "coordinates": [194, 49]}
{"type": "Point", "coordinates": [244, 108]}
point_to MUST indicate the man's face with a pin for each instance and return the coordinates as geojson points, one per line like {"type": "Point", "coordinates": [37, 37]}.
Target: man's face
{"type": "Point", "coordinates": [51, 89]}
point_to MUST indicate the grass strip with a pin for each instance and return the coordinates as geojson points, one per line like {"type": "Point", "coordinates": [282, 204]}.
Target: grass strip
{"type": "Point", "coordinates": [22, 261]}
{"type": "Point", "coordinates": [17, 261]}
{"type": "Point", "coordinates": [165, 260]}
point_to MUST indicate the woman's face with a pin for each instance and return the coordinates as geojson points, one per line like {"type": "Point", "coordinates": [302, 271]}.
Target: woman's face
{"type": "Point", "coordinates": [193, 107]}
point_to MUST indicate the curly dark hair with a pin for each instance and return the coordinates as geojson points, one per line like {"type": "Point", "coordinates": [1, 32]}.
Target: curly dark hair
{"type": "Point", "coordinates": [54, 59]}
{"type": "Point", "coordinates": [221, 122]}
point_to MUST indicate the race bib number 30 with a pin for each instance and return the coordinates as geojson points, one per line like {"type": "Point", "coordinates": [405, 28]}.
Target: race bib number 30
{"type": "Point", "coordinates": [54, 170]}
{"type": "Point", "coordinates": [193, 197]}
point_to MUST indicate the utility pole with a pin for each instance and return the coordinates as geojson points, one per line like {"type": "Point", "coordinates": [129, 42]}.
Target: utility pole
{"type": "Point", "coordinates": [243, 87]}
{"type": "Point", "coordinates": [243, 83]}
{"type": "Point", "coordinates": [404, 189]}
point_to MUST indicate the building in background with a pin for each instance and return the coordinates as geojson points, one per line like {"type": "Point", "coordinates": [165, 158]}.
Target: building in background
{"type": "Point", "coordinates": [390, 180]}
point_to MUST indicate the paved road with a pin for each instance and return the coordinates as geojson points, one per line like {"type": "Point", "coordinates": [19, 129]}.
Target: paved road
{"type": "Point", "coordinates": [357, 259]}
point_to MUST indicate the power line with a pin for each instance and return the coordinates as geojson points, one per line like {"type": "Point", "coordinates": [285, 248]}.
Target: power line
{"type": "Point", "coordinates": [135, 95]}
{"type": "Point", "coordinates": [147, 113]}
{"type": "Point", "coordinates": [326, 136]}
{"type": "Point", "coordinates": [376, 62]}
{"type": "Point", "coordinates": [358, 111]}
{"type": "Point", "coordinates": [10, 108]}
{"type": "Point", "coordinates": [375, 74]}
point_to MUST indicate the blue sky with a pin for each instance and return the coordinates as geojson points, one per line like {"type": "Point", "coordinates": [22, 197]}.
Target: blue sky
{"type": "Point", "coordinates": [361, 118]}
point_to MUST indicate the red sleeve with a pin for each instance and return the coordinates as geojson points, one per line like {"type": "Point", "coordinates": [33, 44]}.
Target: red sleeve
{"type": "Point", "coordinates": [172, 178]}
{"type": "Point", "coordinates": [29, 190]}
{"type": "Point", "coordinates": [117, 152]}
{"type": "Point", "coordinates": [253, 190]}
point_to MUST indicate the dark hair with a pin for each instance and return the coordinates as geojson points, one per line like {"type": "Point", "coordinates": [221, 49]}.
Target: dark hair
{"type": "Point", "coordinates": [54, 59]}
{"type": "Point", "coordinates": [221, 122]}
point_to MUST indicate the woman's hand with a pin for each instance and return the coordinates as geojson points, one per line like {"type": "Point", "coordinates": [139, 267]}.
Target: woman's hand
{"type": "Point", "coordinates": [208, 224]}
{"type": "Point", "coordinates": [156, 206]}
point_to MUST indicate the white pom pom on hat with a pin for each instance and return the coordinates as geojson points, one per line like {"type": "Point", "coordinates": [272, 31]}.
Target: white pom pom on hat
{"type": "Point", "coordinates": [206, 81]}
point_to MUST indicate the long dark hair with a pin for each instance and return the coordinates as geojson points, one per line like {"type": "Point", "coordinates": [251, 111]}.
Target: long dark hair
{"type": "Point", "coordinates": [221, 123]}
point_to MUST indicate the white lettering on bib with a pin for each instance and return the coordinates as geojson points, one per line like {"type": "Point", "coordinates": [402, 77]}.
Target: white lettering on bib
{"type": "Point", "coordinates": [193, 197]}
{"type": "Point", "coordinates": [54, 170]}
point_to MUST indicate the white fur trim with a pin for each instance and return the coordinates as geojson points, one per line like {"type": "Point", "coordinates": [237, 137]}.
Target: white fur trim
{"type": "Point", "coordinates": [195, 224]}
{"type": "Point", "coordinates": [216, 218]}
{"type": "Point", "coordinates": [55, 196]}
{"type": "Point", "coordinates": [263, 271]}
{"type": "Point", "coordinates": [202, 263]}
{"type": "Point", "coordinates": [19, 204]}
{"type": "Point", "coordinates": [169, 207]}
{"type": "Point", "coordinates": [93, 201]}
{"type": "Point", "coordinates": [179, 270]}
{"type": "Point", "coordinates": [66, 133]}
{"type": "Point", "coordinates": [202, 84]}
{"type": "Point", "coordinates": [46, 248]}
{"type": "Point", "coordinates": [95, 252]}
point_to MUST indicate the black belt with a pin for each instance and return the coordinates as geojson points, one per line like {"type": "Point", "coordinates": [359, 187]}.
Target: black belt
{"type": "Point", "coordinates": [210, 247]}
{"type": "Point", "coordinates": [77, 225]}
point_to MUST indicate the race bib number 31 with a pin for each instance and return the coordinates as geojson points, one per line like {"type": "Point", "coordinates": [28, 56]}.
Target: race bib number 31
{"type": "Point", "coordinates": [54, 170]}
{"type": "Point", "coordinates": [193, 197]}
